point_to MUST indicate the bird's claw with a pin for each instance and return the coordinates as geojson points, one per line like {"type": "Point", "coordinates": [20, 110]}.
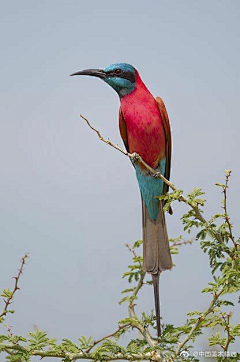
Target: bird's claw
{"type": "Point", "coordinates": [157, 174]}
{"type": "Point", "coordinates": [135, 157]}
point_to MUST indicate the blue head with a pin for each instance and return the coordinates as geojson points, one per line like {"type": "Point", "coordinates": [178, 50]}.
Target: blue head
{"type": "Point", "coordinates": [120, 76]}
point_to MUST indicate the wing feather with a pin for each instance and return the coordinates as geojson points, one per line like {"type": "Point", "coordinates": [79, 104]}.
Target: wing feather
{"type": "Point", "coordinates": [167, 130]}
{"type": "Point", "coordinates": [123, 129]}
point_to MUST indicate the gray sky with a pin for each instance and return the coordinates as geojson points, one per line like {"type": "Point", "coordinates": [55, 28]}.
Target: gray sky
{"type": "Point", "coordinates": [71, 201]}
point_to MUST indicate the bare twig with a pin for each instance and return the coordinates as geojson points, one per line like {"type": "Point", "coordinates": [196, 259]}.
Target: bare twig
{"type": "Point", "coordinates": [9, 300]}
{"type": "Point", "coordinates": [226, 217]}
{"type": "Point", "coordinates": [131, 251]}
{"type": "Point", "coordinates": [108, 142]}
{"type": "Point", "coordinates": [136, 324]}
{"type": "Point", "coordinates": [108, 336]}
{"type": "Point", "coordinates": [182, 242]}
{"type": "Point", "coordinates": [227, 328]}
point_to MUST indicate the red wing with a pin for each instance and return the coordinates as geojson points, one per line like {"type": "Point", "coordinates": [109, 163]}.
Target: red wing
{"type": "Point", "coordinates": [167, 130]}
{"type": "Point", "coordinates": [123, 129]}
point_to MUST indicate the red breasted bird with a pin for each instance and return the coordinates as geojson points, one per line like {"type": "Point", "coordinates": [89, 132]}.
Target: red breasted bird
{"type": "Point", "coordinates": [145, 129]}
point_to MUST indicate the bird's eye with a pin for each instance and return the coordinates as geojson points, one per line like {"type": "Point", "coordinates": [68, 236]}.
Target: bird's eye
{"type": "Point", "coordinates": [118, 71]}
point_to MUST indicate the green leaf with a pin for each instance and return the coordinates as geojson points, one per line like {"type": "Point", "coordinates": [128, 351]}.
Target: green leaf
{"type": "Point", "coordinates": [38, 339]}
{"type": "Point", "coordinates": [6, 293]}
{"type": "Point", "coordinates": [85, 342]}
{"type": "Point", "coordinates": [217, 339]}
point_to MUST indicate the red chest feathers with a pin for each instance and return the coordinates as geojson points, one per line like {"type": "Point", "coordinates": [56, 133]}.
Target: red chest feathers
{"type": "Point", "coordinates": [145, 130]}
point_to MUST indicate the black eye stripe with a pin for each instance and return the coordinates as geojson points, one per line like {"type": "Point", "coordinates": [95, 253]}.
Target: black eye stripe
{"type": "Point", "coordinates": [126, 75]}
{"type": "Point", "coordinates": [130, 76]}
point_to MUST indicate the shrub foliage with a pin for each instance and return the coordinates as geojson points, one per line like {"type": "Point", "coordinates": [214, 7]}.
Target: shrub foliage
{"type": "Point", "coordinates": [217, 240]}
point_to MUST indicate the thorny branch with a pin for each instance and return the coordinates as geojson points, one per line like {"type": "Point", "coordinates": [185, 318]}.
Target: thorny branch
{"type": "Point", "coordinates": [182, 242]}
{"type": "Point", "coordinates": [9, 299]}
{"type": "Point", "coordinates": [226, 217]}
{"type": "Point", "coordinates": [136, 324]}
{"type": "Point", "coordinates": [227, 328]}
{"type": "Point", "coordinates": [132, 251]}
{"type": "Point", "coordinates": [108, 336]}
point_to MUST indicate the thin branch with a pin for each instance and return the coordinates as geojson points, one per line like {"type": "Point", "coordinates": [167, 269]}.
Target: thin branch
{"type": "Point", "coordinates": [137, 158]}
{"type": "Point", "coordinates": [131, 251]}
{"type": "Point", "coordinates": [201, 318]}
{"type": "Point", "coordinates": [108, 336]}
{"type": "Point", "coordinates": [227, 328]}
{"type": "Point", "coordinates": [226, 217]}
{"type": "Point", "coordinates": [108, 142]}
{"type": "Point", "coordinates": [182, 242]}
{"type": "Point", "coordinates": [9, 300]}
{"type": "Point", "coordinates": [136, 324]}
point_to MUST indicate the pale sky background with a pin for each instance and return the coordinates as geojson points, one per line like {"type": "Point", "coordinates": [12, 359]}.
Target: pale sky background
{"type": "Point", "coordinates": [71, 201]}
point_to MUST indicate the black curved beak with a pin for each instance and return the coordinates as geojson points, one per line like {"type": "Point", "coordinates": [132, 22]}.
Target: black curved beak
{"type": "Point", "coordinates": [92, 72]}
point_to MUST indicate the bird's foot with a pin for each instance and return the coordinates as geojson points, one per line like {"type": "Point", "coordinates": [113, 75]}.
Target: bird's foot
{"type": "Point", "coordinates": [135, 157]}
{"type": "Point", "coordinates": [157, 174]}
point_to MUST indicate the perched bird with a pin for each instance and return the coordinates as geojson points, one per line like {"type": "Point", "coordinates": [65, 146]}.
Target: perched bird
{"type": "Point", "coordinates": [145, 129]}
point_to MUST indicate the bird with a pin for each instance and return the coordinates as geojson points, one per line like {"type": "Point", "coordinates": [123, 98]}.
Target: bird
{"type": "Point", "coordinates": [145, 130]}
